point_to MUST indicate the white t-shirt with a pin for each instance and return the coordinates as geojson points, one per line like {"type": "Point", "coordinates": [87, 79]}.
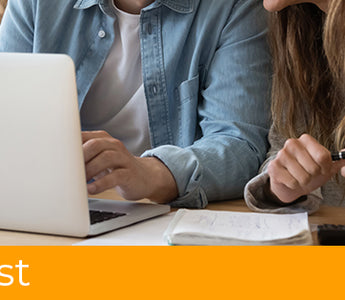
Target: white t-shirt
{"type": "Point", "coordinates": [116, 101]}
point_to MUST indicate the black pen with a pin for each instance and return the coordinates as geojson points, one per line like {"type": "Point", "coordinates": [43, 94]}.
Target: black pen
{"type": "Point", "coordinates": [338, 155]}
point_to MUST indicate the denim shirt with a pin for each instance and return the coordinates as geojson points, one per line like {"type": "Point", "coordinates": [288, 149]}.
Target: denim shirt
{"type": "Point", "coordinates": [206, 73]}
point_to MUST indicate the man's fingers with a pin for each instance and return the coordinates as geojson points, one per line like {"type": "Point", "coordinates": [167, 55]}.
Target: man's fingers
{"type": "Point", "coordinates": [102, 184]}
{"type": "Point", "coordinates": [105, 160]}
{"type": "Point", "coordinates": [94, 147]}
{"type": "Point", "coordinates": [111, 180]}
{"type": "Point", "coordinates": [88, 135]}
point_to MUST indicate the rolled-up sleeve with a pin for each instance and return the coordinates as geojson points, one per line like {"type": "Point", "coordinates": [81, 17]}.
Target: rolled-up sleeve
{"type": "Point", "coordinates": [254, 193]}
{"type": "Point", "coordinates": [233, 115]}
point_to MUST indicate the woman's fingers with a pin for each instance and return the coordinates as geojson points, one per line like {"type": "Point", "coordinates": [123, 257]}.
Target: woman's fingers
{"type": "Point", "coordinates": [318, 154]}
{"type": "Point", "coordinates": [300, 167]}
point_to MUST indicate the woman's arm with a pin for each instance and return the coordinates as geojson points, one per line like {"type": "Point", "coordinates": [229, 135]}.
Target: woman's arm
{"type": "Point", "coordinates": [291, 176]}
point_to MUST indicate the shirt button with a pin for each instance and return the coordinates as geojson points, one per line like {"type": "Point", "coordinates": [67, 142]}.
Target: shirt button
{"type": "Point", "coordinates": [101, 34]}
{"type": "Point", "coordinates": [154, 89]}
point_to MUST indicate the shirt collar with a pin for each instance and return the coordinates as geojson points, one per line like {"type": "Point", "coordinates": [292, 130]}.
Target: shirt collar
{"type": "Point", "coordinates": [83, 4]}
{"type": "Point", "coordinates": [180, 6]}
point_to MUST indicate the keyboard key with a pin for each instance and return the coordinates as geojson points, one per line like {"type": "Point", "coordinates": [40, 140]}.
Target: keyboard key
{"type": "Point", "coordinates": [97, 216]}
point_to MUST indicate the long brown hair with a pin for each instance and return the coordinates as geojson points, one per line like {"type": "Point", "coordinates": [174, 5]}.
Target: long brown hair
{"type": "Point", "coordinates": [3, 4]}
{"type": "Point", "coordinates": [308, 49]}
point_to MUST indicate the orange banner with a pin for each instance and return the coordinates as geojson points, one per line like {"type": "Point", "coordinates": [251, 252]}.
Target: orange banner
{"type": "Point", "coordinates": [171, 272]}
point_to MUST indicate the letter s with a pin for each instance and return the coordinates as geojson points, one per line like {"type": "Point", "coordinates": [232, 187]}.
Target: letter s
{"type": "Point", "coordinates": [6, 276]}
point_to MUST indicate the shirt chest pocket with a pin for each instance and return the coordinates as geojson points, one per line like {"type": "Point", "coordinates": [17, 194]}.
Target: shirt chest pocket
{"type": "Point", "coordinates": [188, 98]}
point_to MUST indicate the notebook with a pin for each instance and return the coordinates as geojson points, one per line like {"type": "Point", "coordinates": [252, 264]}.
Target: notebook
{"type": "Point", "coordinates": [206, 227]}
{"type": "Point", "coordinates": [42, 175]}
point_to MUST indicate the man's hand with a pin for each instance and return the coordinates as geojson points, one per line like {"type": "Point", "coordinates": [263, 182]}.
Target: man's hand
{"type": "Point", "coordinates": [111, 165]}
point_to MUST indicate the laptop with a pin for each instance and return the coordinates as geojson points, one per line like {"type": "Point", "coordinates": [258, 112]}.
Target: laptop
{"type": "Point", "coordinates": [42, 173]}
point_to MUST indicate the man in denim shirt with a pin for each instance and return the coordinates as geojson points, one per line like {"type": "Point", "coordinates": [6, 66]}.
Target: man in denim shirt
{"type": "Point", "coordinates": [202, 92]}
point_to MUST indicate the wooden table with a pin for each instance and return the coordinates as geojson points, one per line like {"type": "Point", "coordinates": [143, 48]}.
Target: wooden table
{"type": "Point", "coordinates": [326, 214]}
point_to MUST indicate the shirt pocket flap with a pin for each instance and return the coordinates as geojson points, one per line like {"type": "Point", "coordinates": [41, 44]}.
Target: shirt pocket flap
{"type": "Point", "coordinates": [188, 89]}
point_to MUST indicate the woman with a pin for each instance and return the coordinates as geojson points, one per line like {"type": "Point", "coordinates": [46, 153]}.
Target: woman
{"type": "Point", "coordinates": [308, 103]}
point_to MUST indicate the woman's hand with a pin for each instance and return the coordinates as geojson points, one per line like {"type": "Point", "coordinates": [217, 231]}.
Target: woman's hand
{"type": "Point", "coordinates": [111, 165]}
{"type": "Point", "coordinates": [302, 166]}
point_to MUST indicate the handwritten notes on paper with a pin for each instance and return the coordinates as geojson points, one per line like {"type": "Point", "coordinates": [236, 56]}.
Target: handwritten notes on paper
{"type": "Point", "coordinates": [205, 227]}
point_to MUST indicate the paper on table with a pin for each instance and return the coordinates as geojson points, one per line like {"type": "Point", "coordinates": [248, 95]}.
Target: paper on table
{"type": "Point", "coordinates": [145, 233]}
{"type": "Point", "coordinates": [199, 226]}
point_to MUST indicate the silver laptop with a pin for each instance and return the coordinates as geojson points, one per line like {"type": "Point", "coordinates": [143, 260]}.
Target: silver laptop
{"type": "Point", "coordinates": [42, 176]}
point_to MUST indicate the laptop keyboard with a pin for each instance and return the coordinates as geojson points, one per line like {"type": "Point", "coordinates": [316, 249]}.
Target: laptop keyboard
{"type": "Point", "coordinates": [97, 216]}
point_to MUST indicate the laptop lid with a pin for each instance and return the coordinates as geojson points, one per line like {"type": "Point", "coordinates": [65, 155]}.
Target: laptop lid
{"type": "Point", "coordinates": [42, 172]}
{"type": "Point", "coordinates": [42, 175]}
